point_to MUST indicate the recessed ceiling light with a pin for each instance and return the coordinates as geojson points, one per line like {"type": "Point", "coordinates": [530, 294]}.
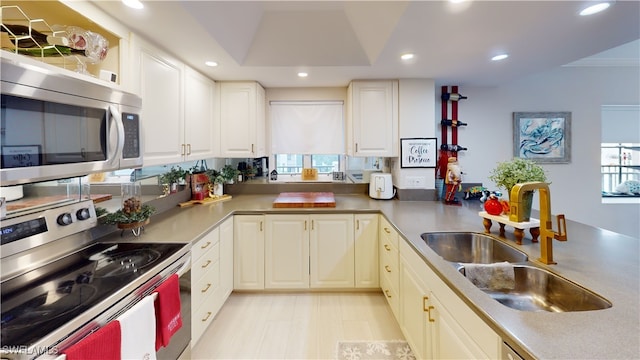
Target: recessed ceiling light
{"type": "Point", "coordinates": [303, 74]}
{"type": "Point", "coordinates": [407, 56]}
{"type": "Point", "coordinates": [211, 63]}
{"type": "Point", "coordinates": [134, 4]}
{"type": "Point", "coordinates": [595, 8]}
{"type": "Point", "coordinates": [500, 57]}
{"type": "Point", "coordinates": [456, 1]}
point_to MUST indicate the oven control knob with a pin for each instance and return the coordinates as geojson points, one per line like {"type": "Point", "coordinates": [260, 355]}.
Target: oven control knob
{"type": "Point", "coordinates": [83, 214]}
{"type": "Point", "coordinates": [84, 277]}
{"type": "Point", "coordinates": [65, 219]}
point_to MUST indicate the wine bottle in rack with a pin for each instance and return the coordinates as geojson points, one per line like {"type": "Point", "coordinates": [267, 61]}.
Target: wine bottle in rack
{"type": "Point", "coordinates": [26, 37]}
{"type": "Point", "coordinates": [451, 147]}
{"type": "Point", "coordinates": [452, 97]}
{"type": "Point", "coordinates": [452, 123]}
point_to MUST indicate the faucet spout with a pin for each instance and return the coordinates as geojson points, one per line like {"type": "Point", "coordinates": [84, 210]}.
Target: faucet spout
{"type": "Point", "coordinates": [546, 228]}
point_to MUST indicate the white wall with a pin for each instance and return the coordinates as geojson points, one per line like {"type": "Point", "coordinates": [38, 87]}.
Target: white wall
{"type": "Point", "coordinates": [575, 188]}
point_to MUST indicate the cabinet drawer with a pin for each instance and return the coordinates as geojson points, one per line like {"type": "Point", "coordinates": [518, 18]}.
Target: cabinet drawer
{"type": "Point", "coordinates": [208, 284]}
{"type": "Point", "coordinates": [390, 268]}
{"type": "Point", "coordinates": [204, 263]}
{"type": "Point", "coordinates": [205, 244]}
{"type": "Point", "coordinates": [391, 295]}
{"type": "Point", "coordinates": [387, 233]}
{"type": "Point", "coordinates": [202, 317]}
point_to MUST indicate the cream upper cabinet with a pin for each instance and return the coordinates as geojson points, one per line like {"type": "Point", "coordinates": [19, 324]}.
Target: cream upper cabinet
{"type": "Point", "coordinates": [199, 131]}
{"type": "Point", "coordinates": [366, 251]}
{"type": "Point", "coordinates": [286, 262]}
{"type": "Point", "coordinates": [161, 79]}
{"type": "Point", "coordinates": [242, 119]}
{"type": "Point", "coordinates": [248, 250]}
{"type": "Point", "coordinates": [435, 321]}
{"type": "Point", "coordinates": [332, 251]}
{"type": "Point", "coordinates": [372, 118]}
{"type": "Point", "coordinates": [177, 109]}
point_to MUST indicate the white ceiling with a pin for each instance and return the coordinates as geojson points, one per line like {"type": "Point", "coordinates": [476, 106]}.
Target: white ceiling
{"type": "Point", "coordinates": [337, 41]}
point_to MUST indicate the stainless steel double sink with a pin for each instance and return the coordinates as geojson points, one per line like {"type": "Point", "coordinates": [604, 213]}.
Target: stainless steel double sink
{"type": "Point", "coordinates": [535, 289]}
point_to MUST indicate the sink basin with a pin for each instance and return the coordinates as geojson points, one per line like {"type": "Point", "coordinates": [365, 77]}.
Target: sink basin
{"type": "Point", "coordinates": [470, 247]}
{"type": "Point", "coordinates": [540, 290]}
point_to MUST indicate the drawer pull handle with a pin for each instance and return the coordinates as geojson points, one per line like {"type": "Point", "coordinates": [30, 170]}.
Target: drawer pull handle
{"type": "Point", "coordinates": [207, 317]}
{"type": "Point", "coordinates": [357, 224]}
{"type": "Point", "coordinates": [205, 289]}
{"type": "Point", "coordinates": [387, 247]}
{"type": "Point", "coordinates": [386, 292]}
{"type": "Point", "coordinates": [205, 245]}
{"type": "Point", "coordinates": [206, 264]}
{"type": "Point", "coordinates": [386, 267]}
{"type": "Point", "coordinates": [387, 230]}
{"type": "Point", "coordinates": [429, 311]}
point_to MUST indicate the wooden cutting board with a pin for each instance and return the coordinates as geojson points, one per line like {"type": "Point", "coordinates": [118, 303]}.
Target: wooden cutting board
{"type": "Point", "coordinates": [304, 200]}
{"type": "Point", "coordinates": [52, 199]}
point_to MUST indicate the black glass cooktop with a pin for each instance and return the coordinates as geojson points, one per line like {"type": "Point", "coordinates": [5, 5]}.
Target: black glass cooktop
{"type": "Point", "coordinates": [40, 301]}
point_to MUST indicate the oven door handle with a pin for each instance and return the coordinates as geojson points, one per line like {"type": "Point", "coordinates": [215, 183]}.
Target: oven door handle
{"type": "Point", "coordinates": [185, 267]}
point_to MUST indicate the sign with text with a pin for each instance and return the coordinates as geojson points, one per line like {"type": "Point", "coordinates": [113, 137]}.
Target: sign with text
{"type": "Point", "coordinates": [418, 153]}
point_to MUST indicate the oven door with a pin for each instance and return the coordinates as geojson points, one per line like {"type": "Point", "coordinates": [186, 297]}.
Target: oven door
{"type": "Point", "coordinates": [180, 344]}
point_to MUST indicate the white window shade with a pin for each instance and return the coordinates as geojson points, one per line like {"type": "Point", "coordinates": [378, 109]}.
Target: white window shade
{"type": "Point", "coordinates": [307, 128]}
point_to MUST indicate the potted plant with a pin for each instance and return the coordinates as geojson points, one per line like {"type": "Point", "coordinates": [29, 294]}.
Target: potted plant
{"type": "Point", "coordinates": [216, 180]}
{"type": "Point", "coordinates": [173, 177]}
{"type": "Point", "coordinates": [133, 217]}
{"type": "Point", "coordinates": [516, 171]}
{"type": "Point", "coordinates": [229, 173]}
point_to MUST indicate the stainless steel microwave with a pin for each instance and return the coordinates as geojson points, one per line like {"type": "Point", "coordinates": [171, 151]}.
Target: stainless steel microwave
{"type": "Point", "coordinates": [58, 124]}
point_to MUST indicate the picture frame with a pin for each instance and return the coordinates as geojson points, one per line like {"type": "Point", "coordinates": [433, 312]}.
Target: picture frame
{"type": "Point", "coordinates": [418, 152]}
{"type": "Point", "coordinates": [543, 137]}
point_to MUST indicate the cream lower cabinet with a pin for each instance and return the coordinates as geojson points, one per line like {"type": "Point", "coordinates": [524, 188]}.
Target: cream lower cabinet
{"type": "Point", "coordinates": [389, 260]}
{"type": "Point", "coordinates": [205, 283]}
{"type": "Point", "coordinates": [248, 250]}
{"type": "Point", "coordinates": [286, 251]}
{"type": "Point", "coordinates": [226, 258]}
{"type": "Point", "coordinates": [434, 320]}
{"type": "Point", "coordinates": [309, 251]}
{"type": "Point", "coordinates": [366, 251]}
{"type": "Point", "coordinates": [331, 249]}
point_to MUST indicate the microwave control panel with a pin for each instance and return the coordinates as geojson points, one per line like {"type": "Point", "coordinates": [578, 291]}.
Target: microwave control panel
{"type": "Point", "coordinates": [131, 124]}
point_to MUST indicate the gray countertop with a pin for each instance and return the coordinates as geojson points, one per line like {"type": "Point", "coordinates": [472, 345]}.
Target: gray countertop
{"type": "Point", "coordinates": [602, 261]}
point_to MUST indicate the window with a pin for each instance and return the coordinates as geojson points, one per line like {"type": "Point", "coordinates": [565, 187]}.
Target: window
{"type": "Point", "coordinates": [618, 163]}
{"type": "Point", "coordinates": [620, 153]}
{"type": "Point", "coordinates": [292, 164]}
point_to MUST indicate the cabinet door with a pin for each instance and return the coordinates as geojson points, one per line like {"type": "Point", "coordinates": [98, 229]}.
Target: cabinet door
{"type": "Point", "coordinates": [449, 339]}
{"type": "Point", "coordinates": [374, 118]}
{"type": "Point", "coordinates": [366, 248]}
{"type": "Point", "coordinates": [414, 310]}
{"type": "Point", "coordinates": [286, 253]}
{"type": "Point", "coordinates": [199, 94]}
{"type": "Point", "coordinates": [331, 251]}
{"type": "Point", "coordinates": [226, 258]}
{"type": "Point", "coordinates": [238, 119]}
{"type": "Point", "coordinates": [248, 249]}
{"type": "Point", "coordinates": [162, 108]}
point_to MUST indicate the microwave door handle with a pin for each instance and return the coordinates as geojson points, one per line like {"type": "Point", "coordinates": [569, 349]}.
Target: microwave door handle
{"type": "Point", "coordinates": [117, 118]}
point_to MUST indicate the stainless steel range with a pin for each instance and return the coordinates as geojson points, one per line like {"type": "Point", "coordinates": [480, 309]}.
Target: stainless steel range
{"type": "Point", "coordinates": [59, 285]}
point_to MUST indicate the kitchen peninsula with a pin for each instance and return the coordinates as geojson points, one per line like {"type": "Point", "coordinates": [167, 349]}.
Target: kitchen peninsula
{"type": "Point", "coordinates": [602, 261]}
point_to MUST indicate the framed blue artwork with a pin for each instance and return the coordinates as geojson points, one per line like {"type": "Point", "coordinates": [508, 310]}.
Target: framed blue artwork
{"type": "Point", "coordinates": [544, 137]}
